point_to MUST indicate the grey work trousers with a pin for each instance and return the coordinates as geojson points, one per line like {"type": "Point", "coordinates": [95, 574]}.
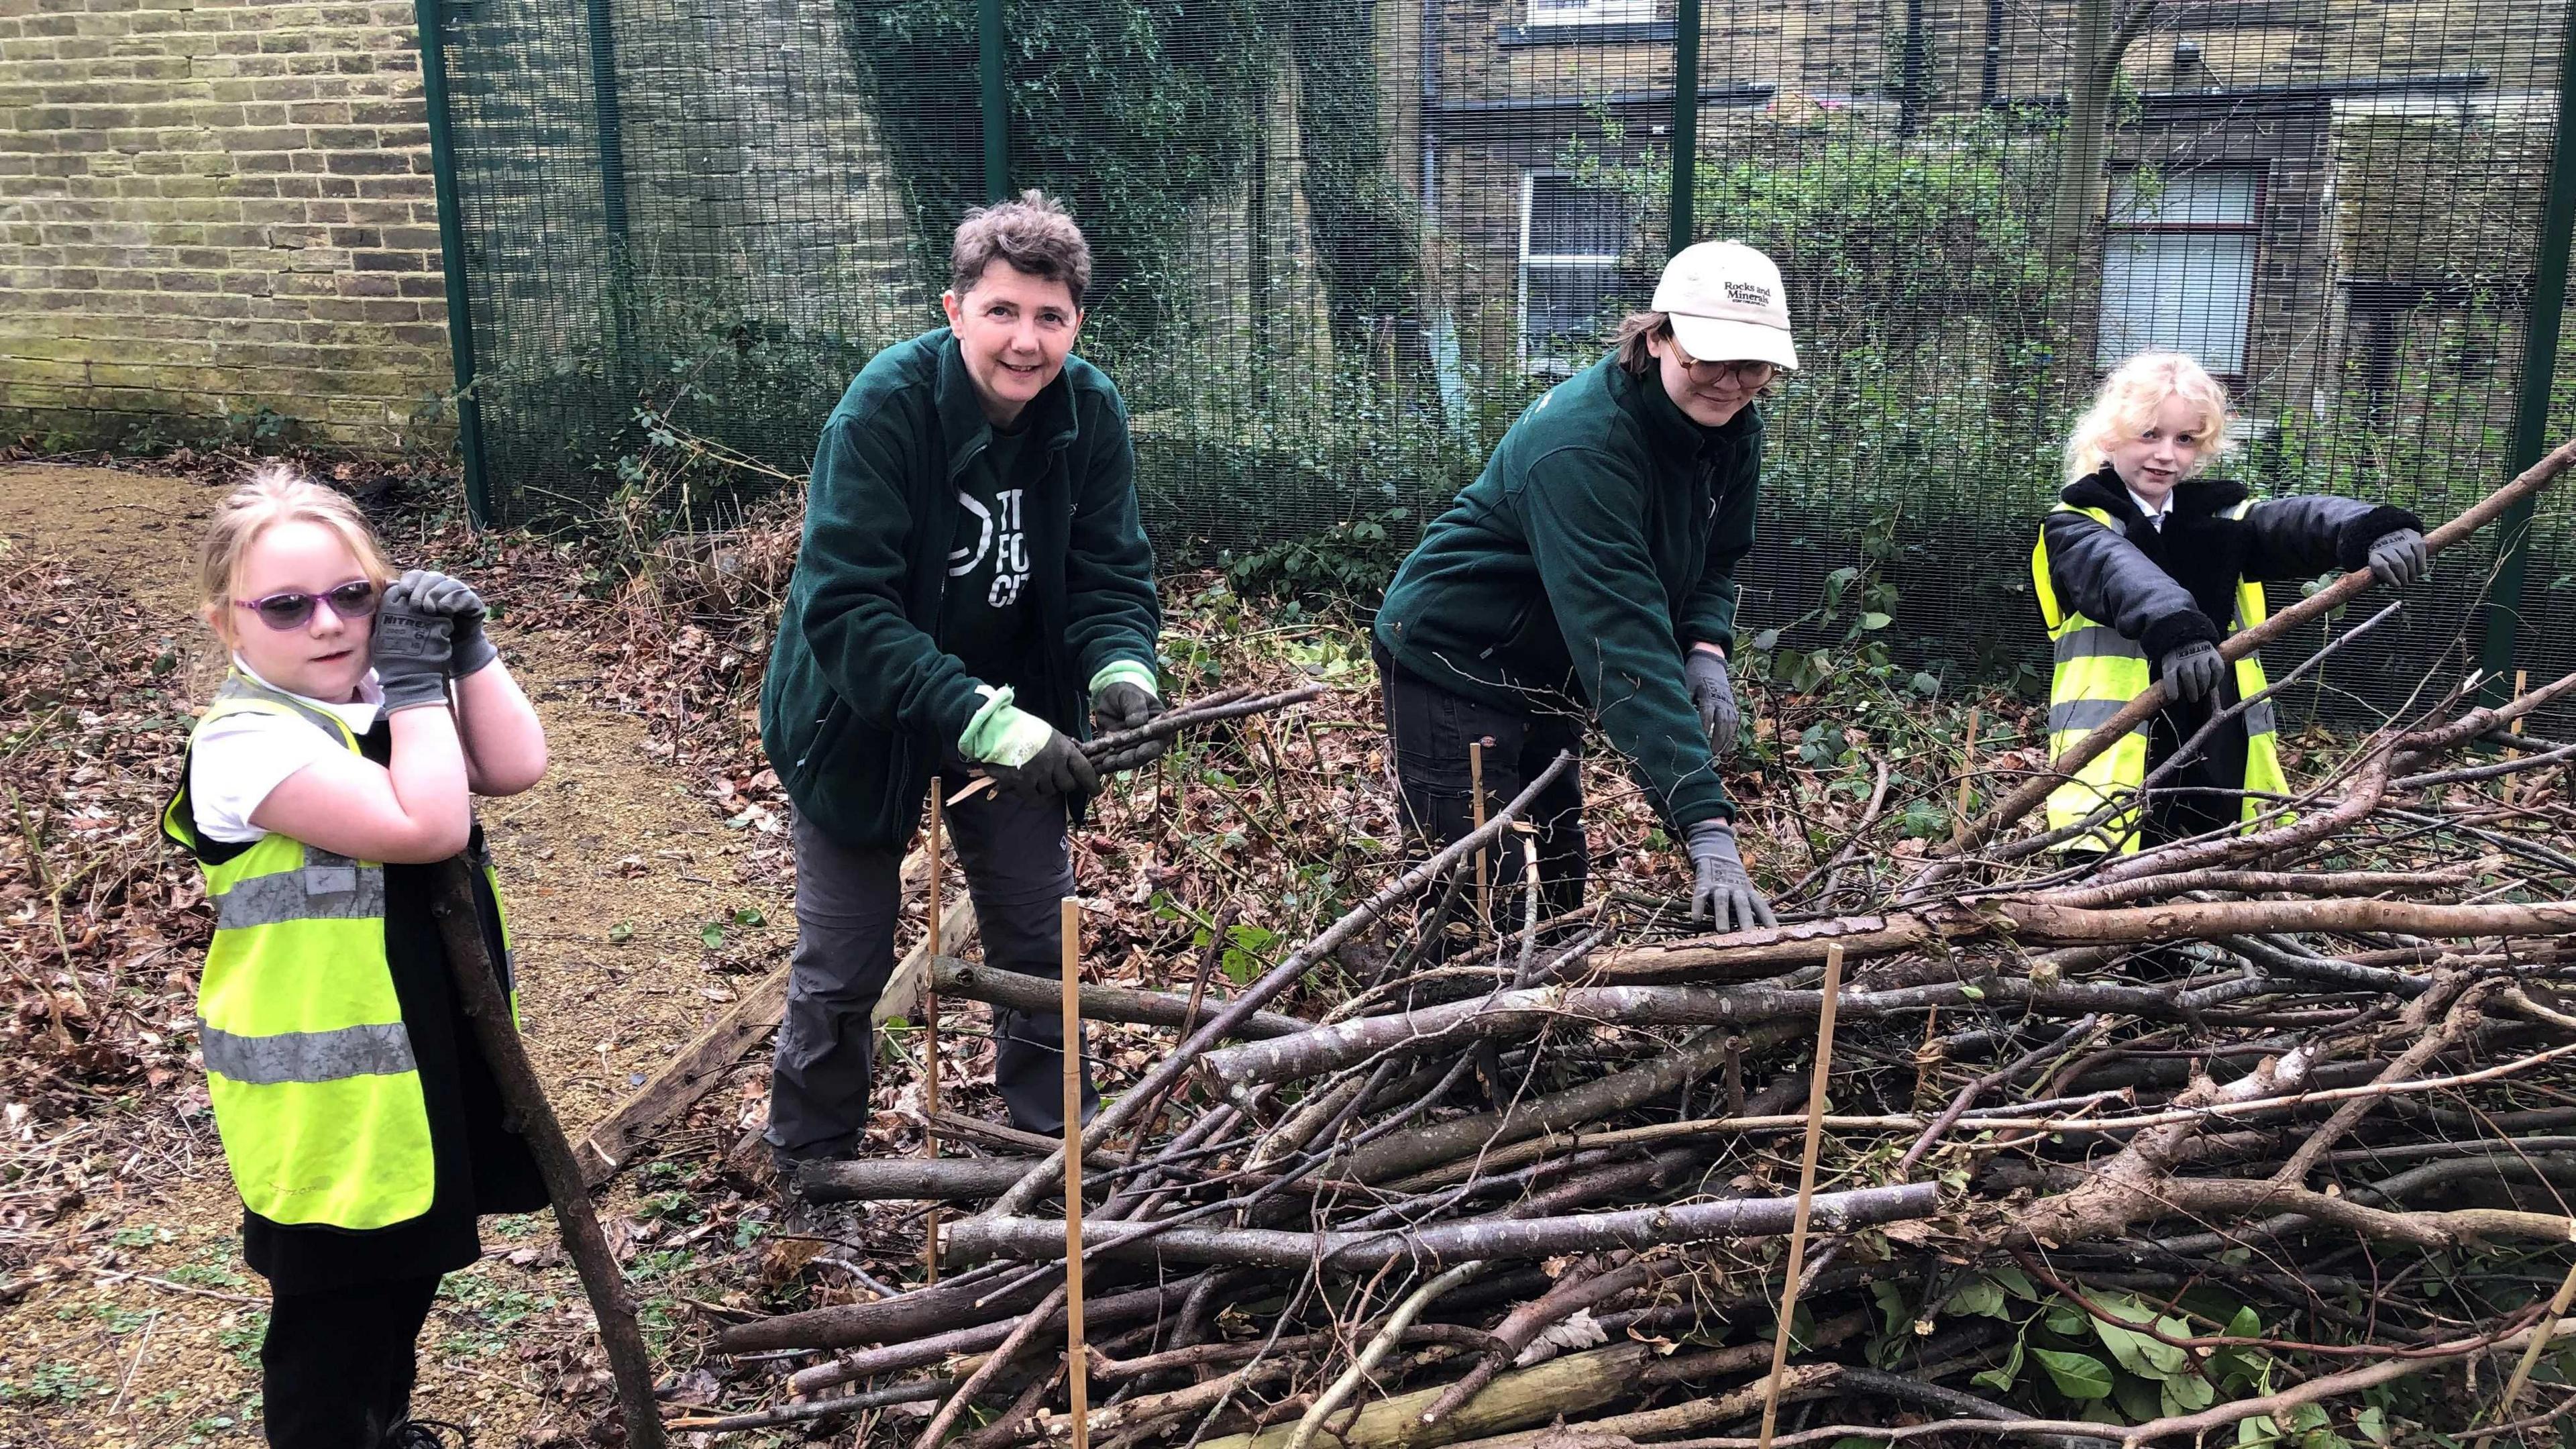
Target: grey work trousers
{"type": "Point", "coordinates": [1018, 869]}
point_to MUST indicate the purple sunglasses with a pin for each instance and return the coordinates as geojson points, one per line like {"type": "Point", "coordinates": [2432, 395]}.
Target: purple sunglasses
{"type": "Point", "coordinates": [293, 609]}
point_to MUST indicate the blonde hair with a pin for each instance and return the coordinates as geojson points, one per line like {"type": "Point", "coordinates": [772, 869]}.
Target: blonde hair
{"type": "Point", "coordinates": [273, 495]}
{"type": "Point", "coordinates": [2126, 406]}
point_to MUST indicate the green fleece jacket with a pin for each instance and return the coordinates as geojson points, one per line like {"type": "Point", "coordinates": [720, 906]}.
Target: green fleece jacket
{"type": "Point", "coordinates": [1599, 543]}
{"type": "Point", "coordinates": [861, 705]}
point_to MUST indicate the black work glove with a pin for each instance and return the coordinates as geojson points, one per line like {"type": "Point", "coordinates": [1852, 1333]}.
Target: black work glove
{"type": "Point", "coordinates": [1058, 768]}
{"type": "Point", "coordinates": [2401, 558]}
{"type": "Point", "coordinates": [1123, 704]}
{"type": "Point", "coordinates": [410, 645]}
{"type": "Point", "coordinates": [437, 593]}
{"type": "Point", "coordinates": [1713, 691]}
{"type": "Point", "coordinates": [1723, 892]}
{"type": "Point", "coordinates": [2192, 671]}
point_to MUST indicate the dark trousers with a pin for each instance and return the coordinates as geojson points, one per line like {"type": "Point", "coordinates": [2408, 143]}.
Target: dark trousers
{"type": "Point", "coordinates": [1018, 870]}
{"type": "Point", "coordinates": [336, 1367]}
{"type": "Point", "coordinates": [1430, 728]}
{"type": "Point", "coordinates": [2185, 805]}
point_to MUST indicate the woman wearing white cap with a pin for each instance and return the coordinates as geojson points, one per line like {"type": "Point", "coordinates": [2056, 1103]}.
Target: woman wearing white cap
{"type": "Point", "coordinates": [1589, 572]}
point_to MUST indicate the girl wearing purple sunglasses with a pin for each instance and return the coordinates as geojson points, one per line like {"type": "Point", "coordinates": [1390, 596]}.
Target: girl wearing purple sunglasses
{"type": "Point", "coordinates": [358, 1116]}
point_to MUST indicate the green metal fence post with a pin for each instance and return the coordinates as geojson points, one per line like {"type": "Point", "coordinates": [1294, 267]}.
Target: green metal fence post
{"type": "Point", "coordinates": [609, 123]}
{"type": "Point", "coordinates": [997, 114]}
{"type": "Point", "coordinates": [608, 135]}
{"type": "Point", "coordinates": [451, 256]}
{"type": "Point", "coordinates": [2539, 372]}
{"type": "Point", "coordinates": [1685, 122]}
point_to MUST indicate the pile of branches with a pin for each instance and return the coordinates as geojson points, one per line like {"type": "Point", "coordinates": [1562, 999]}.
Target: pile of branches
{"type": "Point", "coordinates": [2264, 1132]}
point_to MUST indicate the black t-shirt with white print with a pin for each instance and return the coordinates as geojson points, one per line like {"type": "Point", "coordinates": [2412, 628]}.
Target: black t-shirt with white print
{"type": "Point", "coordinates": [985, 618]}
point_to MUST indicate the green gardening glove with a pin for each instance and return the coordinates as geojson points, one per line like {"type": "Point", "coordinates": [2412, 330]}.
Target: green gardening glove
{"type": "Point", "coordinates": [1024, 754]}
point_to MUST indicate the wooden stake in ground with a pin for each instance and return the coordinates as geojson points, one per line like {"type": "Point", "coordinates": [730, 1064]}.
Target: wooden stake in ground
{"type": "Point", "coordinates": [1967, 774]}
{"type": "Point", "coordinates": [930, 1036]}
{"type": "Point", "coordinates": [1476, 791]}
{"type": "Point", "coordinates": [2540, 1339]}
{"type": "Point", "coordinates": [460, 928]}
{"type": "Point", "coordinates": [2521, 686]}
{"type": "Point", "coordinates": [1076, 1375]}
{"type": "Point", "coordinates": [1806, 1190]}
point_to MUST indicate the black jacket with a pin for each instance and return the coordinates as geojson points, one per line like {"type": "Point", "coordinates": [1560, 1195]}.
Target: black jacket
{"type": "Point", "coordinates": [2167, 587]}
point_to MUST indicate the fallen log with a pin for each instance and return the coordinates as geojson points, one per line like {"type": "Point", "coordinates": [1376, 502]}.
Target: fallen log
{"type": "Point", "coordinates": [1523, 1012]}
{"type": "Point", "coordinates": [2043, 921]}
{"type": "Point", "coordinates": [1022, 992]}
{"type": "Point", "coordinates": [1036, 1239]}
{"type": "Point", "coordinates": [931, 1179]}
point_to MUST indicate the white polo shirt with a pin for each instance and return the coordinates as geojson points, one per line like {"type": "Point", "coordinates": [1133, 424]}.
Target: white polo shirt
{"type": "Point", "coordinates": [235, 762]}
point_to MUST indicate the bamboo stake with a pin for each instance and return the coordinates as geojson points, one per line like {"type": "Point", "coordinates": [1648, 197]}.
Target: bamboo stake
{"type": "Point", "coordinates": [1806, 1191]}
{"type": "Point", "coordinates": [2521, 686]}
{"type": "Point", "coordinates": [1076, 1375]}
{"type": "Point", "coordinates": [930, 1035]}
{"type": "Point", "coordinates": [1476, 789]}
{"type": "Point", "coordinates": [1967, 775]}
{"type": "Point", "coordinates": [2540, 1338]}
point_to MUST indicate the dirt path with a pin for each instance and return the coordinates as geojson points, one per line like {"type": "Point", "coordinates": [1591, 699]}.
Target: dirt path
{"type": "Point", "coordinates": [618, 875]}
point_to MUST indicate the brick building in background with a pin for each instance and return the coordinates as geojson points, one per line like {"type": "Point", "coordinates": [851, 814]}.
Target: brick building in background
{"type": "Point", "coordinates": [212, 208]}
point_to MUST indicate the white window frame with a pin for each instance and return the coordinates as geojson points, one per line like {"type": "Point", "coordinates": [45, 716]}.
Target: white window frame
{"type": "Point", "coordinates": [1532, 359]}
{"type": "Point", "coordinates": [1590, 12]}
{"type": "Point", "coordinates": [2114, 231]}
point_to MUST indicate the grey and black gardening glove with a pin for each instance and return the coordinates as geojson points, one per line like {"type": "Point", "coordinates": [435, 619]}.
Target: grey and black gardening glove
{"type": "Point", "coordinates": [2193, 670]}
{"type": "Point", "coordinates": [1058, 768]}
{"type": "Point", "coordinates": [437, 593]}
{"type": "Point", "coordinates": [2401, 558]}
{"type": "Point", "coordinates": [1023, 753]}
{"type": "Point", "coordinates": [1712, 690]}
{"type": "Point", "coordinates": [1723, 893]}
{"type": "Point", "coordinates": [410, 645]}
{"type": "Point", "coordinates": [1123, 704]}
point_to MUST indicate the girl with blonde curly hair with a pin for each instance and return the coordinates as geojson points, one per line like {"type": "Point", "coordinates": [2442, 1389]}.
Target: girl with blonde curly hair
{"type": "Point", "coordinates": [2143, 567]}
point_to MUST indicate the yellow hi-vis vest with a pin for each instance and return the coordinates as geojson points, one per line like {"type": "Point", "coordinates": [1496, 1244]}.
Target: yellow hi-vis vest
{"type": "Point", "coordinates": [316, 1093]}
{"type": "Point", "coordinates": [2098, 671]}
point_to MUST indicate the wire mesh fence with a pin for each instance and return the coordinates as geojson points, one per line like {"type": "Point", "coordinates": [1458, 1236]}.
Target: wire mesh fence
{"type": "Point", "coordinates": [1341, 245]}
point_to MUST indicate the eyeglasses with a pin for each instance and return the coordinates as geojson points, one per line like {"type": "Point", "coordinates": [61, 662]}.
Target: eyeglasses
{"type": "Point", "coordinates": [293, 609]}
{"type": "Point", "coordinates": [1747, 374]}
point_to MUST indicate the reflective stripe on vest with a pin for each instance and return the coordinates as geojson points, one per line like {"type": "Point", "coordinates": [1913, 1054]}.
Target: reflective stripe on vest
{"type": "Point", "coordinates": [2098, 671]}
{"type": "Point", "coordinates": [308, 1056]}
{"type": "Point", "coordinates": [316, 1091]}
{"type": "Point", "coordinates": [326, 888]}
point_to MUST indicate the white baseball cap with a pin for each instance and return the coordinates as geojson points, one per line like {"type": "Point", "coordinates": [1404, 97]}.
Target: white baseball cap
{"type": "Point", "coordinates": [1727, 305]}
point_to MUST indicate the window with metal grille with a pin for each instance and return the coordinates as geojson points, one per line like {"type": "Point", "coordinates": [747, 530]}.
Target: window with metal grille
{"type": "Point", "coordinates": [2178, 265]}
{"type": "Point", "coordinates": [1571, 240]}
{"type": "Point", "coordinates": [1590, 12]}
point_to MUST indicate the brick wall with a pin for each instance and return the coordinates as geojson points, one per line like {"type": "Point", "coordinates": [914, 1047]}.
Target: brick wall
{"type": "Point", "coordinates": [208, 208]}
